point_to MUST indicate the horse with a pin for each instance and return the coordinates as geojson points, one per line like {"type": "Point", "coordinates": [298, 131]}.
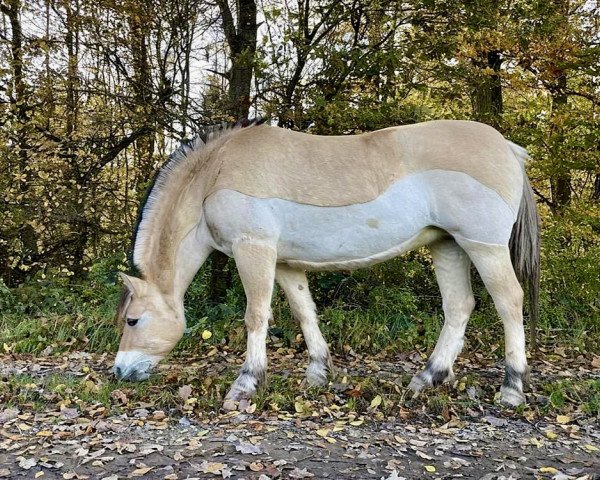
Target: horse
{"type": "Point", "coordinates": [282, 202]}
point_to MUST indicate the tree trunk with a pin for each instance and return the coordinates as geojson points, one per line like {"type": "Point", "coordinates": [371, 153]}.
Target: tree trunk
{"type": "Point", "coordinates": [561, 182]}
{"type": "Point", "coordinates": [487, 95]}
{"type": "Point", "coordinates": [79, 223]}
{"type": "Point", "coordinates": [20, 134]}
{"type": "Point", "coordinates": [241, 40]}
{"type": "Point", "coordinates": [242, 45]}
{"type": "Point", "coordinates": [596, 192]}
{"type": "Point", "coordinates": [139, 19]}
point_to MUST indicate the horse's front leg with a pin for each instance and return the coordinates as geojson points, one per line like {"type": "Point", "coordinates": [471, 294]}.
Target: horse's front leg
{"type": "Point", "coordinates": [255, 262]}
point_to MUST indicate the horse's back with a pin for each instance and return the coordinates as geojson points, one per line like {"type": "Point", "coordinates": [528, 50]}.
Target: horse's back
{"type": "Point", "coordinates": [269, 162]}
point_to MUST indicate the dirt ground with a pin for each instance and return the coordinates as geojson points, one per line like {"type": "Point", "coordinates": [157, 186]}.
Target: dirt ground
{"type": "Point", "coordinates": [86, 439]}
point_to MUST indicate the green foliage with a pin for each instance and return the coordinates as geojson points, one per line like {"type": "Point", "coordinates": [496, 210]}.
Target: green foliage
{"type": "Point", "coordinates": [55, 315]}
{"type": "Point", "coordinates": [564, 393]}
{"type": "Point", "coordinates": [570, 282]}
{"type": "Point", "coordinates": [74, 171]}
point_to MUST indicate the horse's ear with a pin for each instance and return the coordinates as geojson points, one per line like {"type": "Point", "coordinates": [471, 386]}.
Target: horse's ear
{"type": "Point", "coordinates": [133, 284]}
{"type": "Point", "coordinates": [124, 302]}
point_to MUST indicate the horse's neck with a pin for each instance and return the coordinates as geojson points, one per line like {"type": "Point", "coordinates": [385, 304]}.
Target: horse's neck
{"type": "Point", "coordinates": [175, 254]}
{"type": "Point", "coordinates": [191, 254]}
{"type": "Point", "coordinates": [180, 264]}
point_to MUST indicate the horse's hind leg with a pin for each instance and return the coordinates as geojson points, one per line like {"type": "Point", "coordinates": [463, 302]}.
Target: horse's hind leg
{"type": "Point", "coordinates": [295, 285]}
{"type": "Point", "coordinates": [255, 262]}
{"type": "Point", "coordinates": [495, 268]}
{"type": "Point", "coordinates": [452, 270]}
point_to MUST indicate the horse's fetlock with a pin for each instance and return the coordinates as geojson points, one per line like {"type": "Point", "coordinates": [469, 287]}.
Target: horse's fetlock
{"type": "Point", "coordinates": [431, 377]}
{"type": "Point", "coordinates": [246, 384]}
{"type": "Point", "coordinates": [516, 378]}
{"type": "Point", "coordinates": [439, 376]}
{"type": "Point", "coordinates": [420, 382]}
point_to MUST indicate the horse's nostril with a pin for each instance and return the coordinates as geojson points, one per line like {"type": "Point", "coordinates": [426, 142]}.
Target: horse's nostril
{"type": "Point", "coordinates": [118, 372]}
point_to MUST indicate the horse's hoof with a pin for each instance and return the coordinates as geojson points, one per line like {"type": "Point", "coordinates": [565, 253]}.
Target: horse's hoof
{"type": "Point", "coordinates": [316, 374]}
{"type": "Point", "coordinates": [419, 383]}
{"type": "Point", "coordinates": [229, 405]}
{"type": "Point", "coordinates": [510, 397]}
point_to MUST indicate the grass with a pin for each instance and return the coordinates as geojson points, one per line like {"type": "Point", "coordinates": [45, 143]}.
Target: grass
{"type": "Point", "coordinates": [583, 393]}
{"type": "Point", "coordinates": [369, 312]}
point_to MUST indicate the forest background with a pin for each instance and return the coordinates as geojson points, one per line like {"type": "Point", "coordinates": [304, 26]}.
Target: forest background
{"type": "Point", "coordinates": [94, 95]}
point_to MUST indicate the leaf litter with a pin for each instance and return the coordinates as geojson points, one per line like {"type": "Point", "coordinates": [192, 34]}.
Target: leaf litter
{"type": "Point", "coordinates": [66, 417]}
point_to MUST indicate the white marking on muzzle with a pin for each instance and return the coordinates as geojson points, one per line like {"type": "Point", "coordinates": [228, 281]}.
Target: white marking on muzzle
{"type": "Point", "coordinates": [133, 365]}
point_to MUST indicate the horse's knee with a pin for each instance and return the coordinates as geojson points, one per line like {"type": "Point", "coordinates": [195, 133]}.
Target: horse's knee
{"type": "Point", "coordinates": [257, 318]}
{"type": "Point", "coordinates": [458, 310]}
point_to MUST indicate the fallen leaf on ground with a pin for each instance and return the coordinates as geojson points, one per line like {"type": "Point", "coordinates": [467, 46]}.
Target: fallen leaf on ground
{"type": "Point", "coordinates": [184, 392]}
{"type": "Point", "coordinates": [376, 401]}
{"type": "Point", "coordinates": [296, 473]}
{"type": "Point", "coordinates": [140, 472]}
{"type": "Point", "coordinates": [27, 463]}
{"type": "Point", "coordinates": [548, 470]}
{"type": "Point", "coordinates": [563, 419]}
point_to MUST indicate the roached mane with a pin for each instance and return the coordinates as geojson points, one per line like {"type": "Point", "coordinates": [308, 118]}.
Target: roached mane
{"type": "Point", "coordinates": [170, 177]}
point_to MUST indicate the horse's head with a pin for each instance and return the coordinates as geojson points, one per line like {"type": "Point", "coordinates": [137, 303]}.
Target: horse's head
{"type": "Point", "coordinates": [153, 325]}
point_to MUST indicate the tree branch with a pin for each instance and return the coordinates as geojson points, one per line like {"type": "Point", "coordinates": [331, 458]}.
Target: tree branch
{"type": "Point", "coordinates": [114, 151]}
{"type": "Point", "coordinates": [228, 24]}
{"type": "Point", "coordinates": [543, 198]}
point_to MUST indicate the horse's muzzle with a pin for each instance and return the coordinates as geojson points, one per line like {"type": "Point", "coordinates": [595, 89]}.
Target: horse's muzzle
{"type": "Point", "coordinates": [130, 374]}
{"type": "Point", "coordinates": [132, 366]}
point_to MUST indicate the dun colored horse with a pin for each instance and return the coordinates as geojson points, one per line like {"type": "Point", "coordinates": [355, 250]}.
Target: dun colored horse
{"type": "Point", "coordinates": [282, 203]}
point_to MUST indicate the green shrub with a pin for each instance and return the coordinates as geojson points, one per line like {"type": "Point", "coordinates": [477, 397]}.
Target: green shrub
{"type": "Point", "coordinates": [392, 306]}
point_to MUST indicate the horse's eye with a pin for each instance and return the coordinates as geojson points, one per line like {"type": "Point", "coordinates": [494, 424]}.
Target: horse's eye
{"type": "Point", "coordinates": [132, 321]}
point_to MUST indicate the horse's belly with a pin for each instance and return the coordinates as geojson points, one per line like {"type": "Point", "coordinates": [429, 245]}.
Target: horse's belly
{"type": "Point", "coordinates": [361, 234]}
{"type": "Point", "coordinates": [360, 231]}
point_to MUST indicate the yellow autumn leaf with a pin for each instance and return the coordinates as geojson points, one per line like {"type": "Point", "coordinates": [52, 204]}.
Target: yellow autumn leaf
{"type": "Point", "coordinates": [299, 407]}
{"type": "Point", "coordinates": [331, 439]}
{"type": "Point", "coordinates": [44, 433]}
{"type": "Point", "coordinates": [548, 470]}
{"type": "Point", "coordinates": [323, 432]}
{"type": "Point", "coordinates": [430, 468]}
{"type": "Point", "coordinates": [376, 401]}
{"type": "Point", "coordinates": [563, 419]}
{"type": "Point", "coordinates": [356, 423]}
{"type": "Point", "coordinates": [39, 474]}
{"type": "Point", "coordinates": [536, 442]}
{"type": "Point", "coordinates": [206, 334]}
{"type": "Point", "coordinates": [551, 435]}
{"type": "Point", "coordinates": [213, 467]}
{"type": "Point", "coordinates": [591, 448]}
